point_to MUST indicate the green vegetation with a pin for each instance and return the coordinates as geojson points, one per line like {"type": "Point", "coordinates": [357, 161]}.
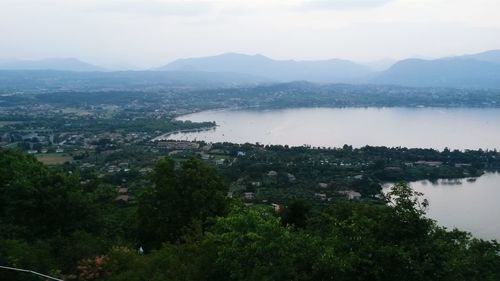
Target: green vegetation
{"type": "Point", "coordinates": [53, 221]}
{"type": "Point", "coordinates": [53, 158]}
{"type": "Point", "coordinates": [305, 172]}
{"type": "Point", "coordinates": [180, 200]}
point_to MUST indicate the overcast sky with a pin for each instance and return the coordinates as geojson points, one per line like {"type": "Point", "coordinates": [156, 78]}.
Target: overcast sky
{"type": "Point", "coordinates": [149, 33]}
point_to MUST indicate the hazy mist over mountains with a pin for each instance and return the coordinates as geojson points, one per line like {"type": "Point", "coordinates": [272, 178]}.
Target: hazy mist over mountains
{"type": "Point", "coordinates": [480, 70]}
{"type": "Point", "coordinates": [64, 64]}
{"type": "Point", "coordinates": [325, 71]}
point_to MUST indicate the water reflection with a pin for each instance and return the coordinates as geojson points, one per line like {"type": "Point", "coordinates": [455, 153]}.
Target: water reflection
{"type": "Point", "coordinates": [333, 127]}
{"type": "Point", "coordinates": [468, 204]}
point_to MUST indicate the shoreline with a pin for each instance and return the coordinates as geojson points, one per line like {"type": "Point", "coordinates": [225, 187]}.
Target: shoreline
{"type": "Point", "coordinates": [165, 136]}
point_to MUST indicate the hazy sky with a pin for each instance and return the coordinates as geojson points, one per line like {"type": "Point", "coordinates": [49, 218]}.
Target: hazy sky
{"type": "Point", "coordinates": [149, 33]}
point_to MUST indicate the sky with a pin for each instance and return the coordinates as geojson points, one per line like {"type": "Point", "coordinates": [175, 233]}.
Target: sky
{"type": "Point", "coordinates": [151, 33]}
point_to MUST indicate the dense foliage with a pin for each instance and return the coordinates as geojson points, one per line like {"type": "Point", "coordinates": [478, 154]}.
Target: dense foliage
{"type": "Point", "coordinates": [52, 222]}
{"type": "Point", "coordinates": [300, 171]}
{"type": "Point", "coordinates": [178, 201]}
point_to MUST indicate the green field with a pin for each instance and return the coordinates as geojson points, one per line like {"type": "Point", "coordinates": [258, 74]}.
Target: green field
{"type": "Point", "coordinates": [54, 158]}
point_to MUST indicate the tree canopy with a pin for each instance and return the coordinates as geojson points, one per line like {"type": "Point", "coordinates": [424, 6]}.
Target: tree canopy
{"type": "Point", "coordinates": [52, 222]}
{"type": "Point", "coordinates": [178, 200]}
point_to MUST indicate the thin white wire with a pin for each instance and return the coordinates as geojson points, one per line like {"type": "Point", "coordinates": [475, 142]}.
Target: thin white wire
{"type": "Point", "coordinates": [30, 271]}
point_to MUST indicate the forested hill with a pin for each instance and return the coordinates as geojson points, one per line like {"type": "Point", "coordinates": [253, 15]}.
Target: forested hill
{"type": "Point", "coordinates": [325, 71]}
{"type": "Point", "coordinates": [65, 223]}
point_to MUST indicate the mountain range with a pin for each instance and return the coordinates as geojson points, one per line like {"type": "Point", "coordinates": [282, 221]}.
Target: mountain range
{"type": "Point", "coordinates": [480, 70]}
{"type": "Point", "coordinates": [325, 71]}
{"type": "Point", "coordinates": [470, 71]}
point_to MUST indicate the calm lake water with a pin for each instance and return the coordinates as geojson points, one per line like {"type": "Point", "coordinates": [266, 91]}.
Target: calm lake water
{"type": "Point", "coordinates": [470, 206]}
{"type": "Point", "coordinates": [334, 127]}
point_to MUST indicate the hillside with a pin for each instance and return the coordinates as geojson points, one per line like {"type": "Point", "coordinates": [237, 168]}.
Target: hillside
{"type": "Point", "coordinates": [471, 71]}
{"type": "Point", "coordinates": [324, 71]}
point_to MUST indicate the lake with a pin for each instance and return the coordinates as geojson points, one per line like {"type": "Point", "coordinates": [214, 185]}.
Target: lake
{"type": "Point", "coordinates": [471, 206]}
{"type": "Point", "coordinates": [457, 128]}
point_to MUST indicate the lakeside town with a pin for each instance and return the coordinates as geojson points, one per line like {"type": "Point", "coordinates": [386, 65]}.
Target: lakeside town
{"type": "Point", "coordinates": [121, 143]}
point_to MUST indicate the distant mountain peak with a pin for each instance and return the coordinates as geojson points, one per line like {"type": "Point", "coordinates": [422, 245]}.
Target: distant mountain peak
{"type": "Point", "coordinates": [480, 70]}
{"type": "Point", "coordinates": [331, 70]}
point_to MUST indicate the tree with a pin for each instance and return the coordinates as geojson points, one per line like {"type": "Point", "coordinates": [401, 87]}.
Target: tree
{"type": "Point", "coordinates": [408, 209]}
{"type": "Point", "coordinates": [36, 202]}
{"type": "Point", "coordinates": [47, 220]}
{"type": "Point", "coordinates": [178, 200]}
{"type": "Point", "coordinates": [253, 245]}
{"type": "Point", "coordinates": [296, 214]}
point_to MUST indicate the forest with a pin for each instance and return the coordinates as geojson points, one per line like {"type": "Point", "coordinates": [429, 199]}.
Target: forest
{"type": "Point", "coordinates": [184, 227]}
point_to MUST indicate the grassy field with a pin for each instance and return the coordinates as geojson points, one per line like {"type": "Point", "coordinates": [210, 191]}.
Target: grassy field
{"type": "Point", "coordinates": [77, 111]}
{"type": "Point", "coordinates": [54, 158]}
